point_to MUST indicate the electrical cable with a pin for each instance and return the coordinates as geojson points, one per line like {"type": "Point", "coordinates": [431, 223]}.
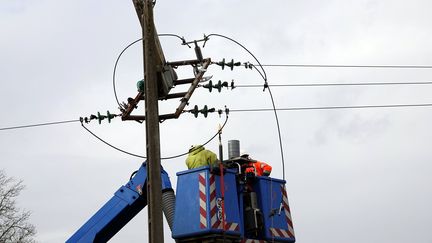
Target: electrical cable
{"type": "Point", "coordinates": [143, 157]}
{"type": "Point", "coordinates": [174, 35]}
{"type": "Point", "coordinates": [252, 110]}
{"type": "Point", "coordinates": [112, 146]}
{"type": "Point", "coordinates": [264, 77]}
{"type": "Point", "coordinates": [333, 84]}
{"type": "Point", "coordinates": [115, 68]}
{"type": "Point", "coordinates": [279, 132]}
{"type": "Point", "coordinates": [348, 66]}
{"type": "Point", "coordinates": [38, 125]}
{"type": "Point", "coordinates": [121, 53]}
{"type": "Point", "coordinates": [333, 107]}
{"type": "Point", "coordinates": [263, 74]}
{"type": "Point", "coordinates": [176, 156]}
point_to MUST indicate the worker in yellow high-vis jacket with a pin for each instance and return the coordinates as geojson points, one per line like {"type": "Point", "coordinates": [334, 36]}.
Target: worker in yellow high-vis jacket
{"type": "Point", "coordinates": [199, 156]}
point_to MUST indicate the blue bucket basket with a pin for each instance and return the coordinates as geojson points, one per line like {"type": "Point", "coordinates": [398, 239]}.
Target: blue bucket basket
{"type": "Point", "coordinates": [198, 210]}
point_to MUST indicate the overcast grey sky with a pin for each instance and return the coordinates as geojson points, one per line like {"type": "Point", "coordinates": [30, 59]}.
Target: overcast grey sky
{"type": "Point", "coordinates": [352, 175]}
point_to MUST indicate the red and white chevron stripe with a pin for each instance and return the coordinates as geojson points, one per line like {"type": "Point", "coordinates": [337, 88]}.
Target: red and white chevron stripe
{"type": "Point", "coordinates": [213, 206]}
{"type": "Point", "coordinates": [287, 211]}
{"type": "Point", "coordinates": [216, 210]}
{"type": "Point", "coordinates": [228, 226]}
{"type": "Point", "coordinates": [282, 232]}
{"type": "Point", "coordinates": [202, 199]}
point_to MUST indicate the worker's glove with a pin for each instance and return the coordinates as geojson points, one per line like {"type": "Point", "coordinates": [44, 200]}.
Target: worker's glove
{"type": "Point", "coordinates": [214, 170]}
{"type": "Point", "coordinates": [266, 173]}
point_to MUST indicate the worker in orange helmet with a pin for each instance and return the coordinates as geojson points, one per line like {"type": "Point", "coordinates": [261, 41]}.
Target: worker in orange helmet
{"type": "Point", "coordinates": [256, 167]}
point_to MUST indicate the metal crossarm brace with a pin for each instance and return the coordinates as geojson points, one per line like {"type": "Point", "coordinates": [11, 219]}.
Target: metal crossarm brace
{"type": "Point", "coordinates": [185, 96]}
{"type": "Point", "coordinates": [131, 105]}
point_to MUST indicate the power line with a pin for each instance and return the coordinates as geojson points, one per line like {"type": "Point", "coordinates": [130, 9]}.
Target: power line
{"type": "Point", "coordinates": [333, 107]}
{"type": "Point", "coordinates": [120, 55]}
{"type": "Point", "coordinates": [348, 66]}
{"type": "Point", "coordinates": [249, 110]}
{"type": "Point", "coordinates": [204, 144]}
{"type": "Point", "coordinates": [112, 146]}
{"type": "Point", "coordinates": [333, 84]}
{"type": "Point", "coordinates": [144, 157]}
{"type": "Point", "coordinates": [263, 74]}
{"type": "Point", "coordinates": [39, 124]}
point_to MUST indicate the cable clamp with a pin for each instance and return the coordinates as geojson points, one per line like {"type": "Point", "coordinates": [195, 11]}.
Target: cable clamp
{"type": "Point", "coordinates": [184, 42]}
{"type": "Point", "coordinates": [226, 111]}
{"type": "Point", "coordinates": [206, 38]}
{"type": "Point", "coordinates": [248, 65]}
{"type": "Point", "coordinates": [265, 86]}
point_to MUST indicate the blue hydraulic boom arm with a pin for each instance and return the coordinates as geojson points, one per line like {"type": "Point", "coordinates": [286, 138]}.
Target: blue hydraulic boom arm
{"type": "Point", "coordinates": [127, 202]}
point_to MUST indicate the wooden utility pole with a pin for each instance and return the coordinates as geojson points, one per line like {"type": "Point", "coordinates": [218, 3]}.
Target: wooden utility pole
{"type": "Point", "coordinates": [155, 68]}
{"type": "Point", "coordinates": [154, 184]}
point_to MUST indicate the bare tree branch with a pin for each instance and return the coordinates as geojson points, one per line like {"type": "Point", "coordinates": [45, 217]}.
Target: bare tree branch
{"type": "Point", "coordinates": [14, 225]}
